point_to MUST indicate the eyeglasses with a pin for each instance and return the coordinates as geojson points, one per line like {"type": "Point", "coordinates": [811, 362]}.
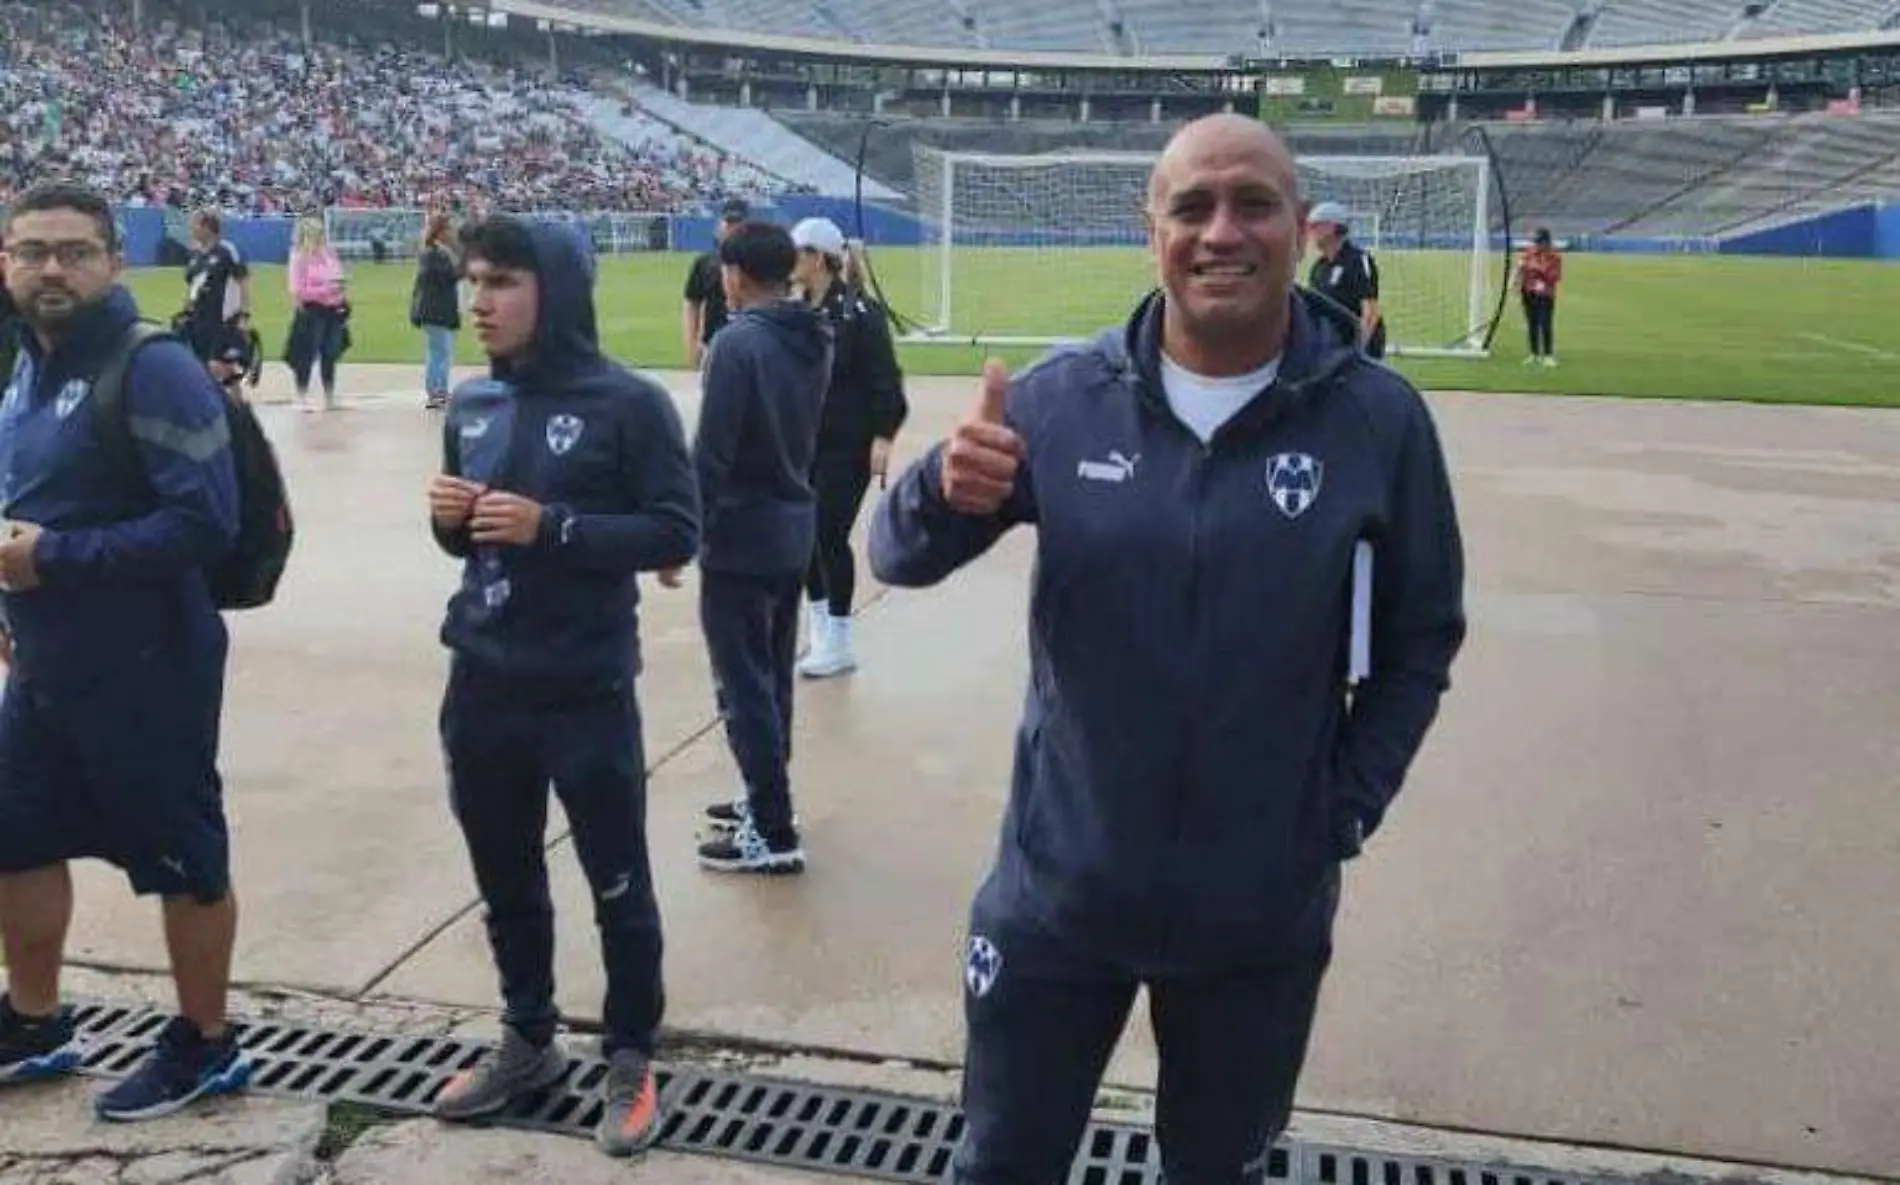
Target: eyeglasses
{"type": "Point", "coordinates": [77, 253]}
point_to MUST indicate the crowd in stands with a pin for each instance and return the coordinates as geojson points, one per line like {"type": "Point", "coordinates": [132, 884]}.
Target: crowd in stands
{"type": "Point", "coordinates": [245, 117]}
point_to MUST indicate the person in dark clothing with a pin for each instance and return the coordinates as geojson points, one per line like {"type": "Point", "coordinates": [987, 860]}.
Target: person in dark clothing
{"type": "Point", "coordinates": [1346, 274]}
{"type": "Point", "coordinates": [236, 357]}
{"type": "Point", "coordinates": [434, 308]}
{"type": "Point", "coordinates": [1205, 741]}
{"type": "Point", "coordinates": [764, 391]}
{"type": "Point", "coordinates": [564, 477]}
{"type": "Point", "coordinates": [10, 326]}
{"type": "Point", "coordinates": [217, 284]}
{"type": "Point", "coordinates": [705, 311]}
{"type": "Point", "coordinates": [116, 656]}
{"type": "Point", "coordinates": [864, 408]}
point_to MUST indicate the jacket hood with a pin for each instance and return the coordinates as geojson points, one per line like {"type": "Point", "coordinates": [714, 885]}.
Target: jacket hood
{"type": "Point", "coordinates": [1321, 339]}
{"type": "Point", "coordinates": [566, 337]}
{"type": "Point", "coordinates": [799, 328]}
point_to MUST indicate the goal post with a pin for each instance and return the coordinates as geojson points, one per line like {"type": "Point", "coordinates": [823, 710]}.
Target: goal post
{"type": "Point", "coordinates": [1037, 249]}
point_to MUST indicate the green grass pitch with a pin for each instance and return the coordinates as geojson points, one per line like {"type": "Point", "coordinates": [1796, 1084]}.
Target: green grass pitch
{"type": "Point", "coordinates": [1680, 326]}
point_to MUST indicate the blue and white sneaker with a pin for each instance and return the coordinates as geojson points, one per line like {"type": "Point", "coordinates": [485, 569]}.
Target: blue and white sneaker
{"type": "Point", "coordinates": [33, 1050]}
{"type": "Point", "coordinates": [745, 850]}
{"type": "Point", "coordinates": [181, 1069]}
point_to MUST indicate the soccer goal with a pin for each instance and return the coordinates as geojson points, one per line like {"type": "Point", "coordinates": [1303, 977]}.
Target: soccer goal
{"type": "Point", "coordinates": [1036, 249]}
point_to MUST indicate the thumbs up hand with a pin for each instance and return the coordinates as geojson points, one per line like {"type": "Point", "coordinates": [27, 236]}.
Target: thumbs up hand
{"type": "Point", "coordinates": [981, 458]}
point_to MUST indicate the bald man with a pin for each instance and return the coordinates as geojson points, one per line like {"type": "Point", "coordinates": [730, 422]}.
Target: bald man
{"type": "Point", "coordinates": [1197, 757]}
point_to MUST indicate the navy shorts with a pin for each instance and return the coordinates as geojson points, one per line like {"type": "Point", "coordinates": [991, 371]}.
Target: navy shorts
{"type": "Point", "coordinates": [123, 770]}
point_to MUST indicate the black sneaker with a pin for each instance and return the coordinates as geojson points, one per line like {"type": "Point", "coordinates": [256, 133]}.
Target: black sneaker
{"type": "Point", "coordinates": [724, 818]}
{"type": "Point", "coordinates": [33, 1050]}
{"type": "Point", "coordinates": [181, 1069]}
{"type": "Point", "coordinates": [745, 850]}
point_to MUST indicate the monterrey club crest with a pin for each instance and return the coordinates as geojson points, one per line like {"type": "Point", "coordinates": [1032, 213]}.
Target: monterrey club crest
{"type": "Point", "coordinates": [982, 966]}
{"type": "Point", "coordinates": [1293, 482]}
{"type": "Point", "coordinates": [564, 432]}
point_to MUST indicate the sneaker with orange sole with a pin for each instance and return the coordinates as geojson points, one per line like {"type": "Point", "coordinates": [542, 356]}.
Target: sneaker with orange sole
{"type": "Point", "coordinates": [630, 1115]}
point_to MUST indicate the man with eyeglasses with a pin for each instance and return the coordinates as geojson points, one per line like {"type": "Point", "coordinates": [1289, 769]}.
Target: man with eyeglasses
{"type": "Point", "coordinates": [115, 653]}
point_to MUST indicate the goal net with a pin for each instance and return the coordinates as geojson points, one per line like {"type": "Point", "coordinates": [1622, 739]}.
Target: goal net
{"type": "Point", "coordinates": [1029, 250]}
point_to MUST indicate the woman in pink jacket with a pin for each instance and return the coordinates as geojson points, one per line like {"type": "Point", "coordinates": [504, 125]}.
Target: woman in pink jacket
{"type": "Point", "coordinates": [317, 333]}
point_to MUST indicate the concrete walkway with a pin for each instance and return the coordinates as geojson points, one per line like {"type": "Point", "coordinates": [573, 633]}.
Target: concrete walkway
{"type": "Point", "coordinates": [1638, 891]}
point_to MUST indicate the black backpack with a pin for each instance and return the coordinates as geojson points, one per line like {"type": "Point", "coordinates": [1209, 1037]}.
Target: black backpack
{"type": "Point", "coordinates": [247, 576]}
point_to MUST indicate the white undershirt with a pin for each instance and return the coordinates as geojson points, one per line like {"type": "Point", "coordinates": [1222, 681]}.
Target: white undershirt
{"type": "Point", "coordinates": [1204, 403]}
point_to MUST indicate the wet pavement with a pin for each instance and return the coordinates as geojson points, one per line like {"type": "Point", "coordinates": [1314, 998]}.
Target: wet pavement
{"type": "Point", "coordinates": [1638, 891]}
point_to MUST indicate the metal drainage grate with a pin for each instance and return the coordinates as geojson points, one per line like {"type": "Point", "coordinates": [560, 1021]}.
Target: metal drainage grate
{"type": "Point", "coordinates": [869, 1134]}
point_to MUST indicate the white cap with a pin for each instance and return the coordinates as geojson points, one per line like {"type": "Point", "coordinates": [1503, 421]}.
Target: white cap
{"type": "Point", "coordinates": [1328, 212]}
{"type": "Point", "coordinates": [821, 235]}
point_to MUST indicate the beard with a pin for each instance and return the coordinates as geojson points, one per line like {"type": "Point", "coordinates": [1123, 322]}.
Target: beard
{"type": "Point", "coordinates": [47, 308]}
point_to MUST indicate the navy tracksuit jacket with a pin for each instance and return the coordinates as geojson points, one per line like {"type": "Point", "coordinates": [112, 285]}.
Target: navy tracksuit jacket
{"type": "Point", "coordinates": [764, 390]}
{"type": "Point", "coordinates": [1189, 770]}
{"type": "Point", "coordinates": [109, 727]}
{"type": "Point", "coordinates": [545, 643]}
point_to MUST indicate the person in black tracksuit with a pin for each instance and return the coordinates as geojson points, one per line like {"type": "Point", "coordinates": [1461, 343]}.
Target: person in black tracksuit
{"type": "Point", "coordinates": [764, 389]}
{"type": "Point", "coordinates": [564, 476]}
{"type": "Point", "coordinates": [864, 409]}
{"type": "Point", "coordinates": [217, 284]}
{"type": "Point", "coordinates": [703, 312]}
{"type": "Point", "coordinates": [1347, 274]}
{"type": "Point", "coordinates": [1203, 743]}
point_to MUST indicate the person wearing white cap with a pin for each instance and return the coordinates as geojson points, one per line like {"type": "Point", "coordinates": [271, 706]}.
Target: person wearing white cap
{"type": "Point", "coordinates": [1346, 273]}
{"type": "Point", "coordinates": [864, 408]}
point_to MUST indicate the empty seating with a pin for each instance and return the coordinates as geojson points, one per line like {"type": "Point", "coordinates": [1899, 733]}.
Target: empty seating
{"type": "Point", "coordinates": [1793, 18]}
{"type": "Point", "coordinates": [1218, 28]}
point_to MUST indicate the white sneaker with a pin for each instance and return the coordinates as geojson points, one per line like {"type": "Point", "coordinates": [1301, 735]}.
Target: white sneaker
{"type": "Point", "coordinates": [832, 656]}
{"type": "Point", "coordinates": [817, 623]}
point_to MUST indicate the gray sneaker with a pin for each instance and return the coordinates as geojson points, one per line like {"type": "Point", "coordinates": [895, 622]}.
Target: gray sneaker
{"type": "Point", "coordinates": [630, 1097]}
{"type": "Point", "coordinates": [515, 1069]}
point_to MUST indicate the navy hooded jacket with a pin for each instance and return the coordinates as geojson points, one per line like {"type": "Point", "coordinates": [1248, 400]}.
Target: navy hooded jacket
{"type": "Point", "coordinates": [1189, 769]}
{"type": "Point", "coordinates": [603, 451]}
{"type": "Point", "coordinates": [122, 562]}
{"type": "Point", "coordinates": [765, 379]}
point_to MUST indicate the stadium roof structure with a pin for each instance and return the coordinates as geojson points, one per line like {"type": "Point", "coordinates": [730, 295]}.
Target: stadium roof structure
{"type": "Point", "coordinates": [962, 55]}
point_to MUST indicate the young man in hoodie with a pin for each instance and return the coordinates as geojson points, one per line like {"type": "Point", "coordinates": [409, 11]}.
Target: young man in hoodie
{"type": "Point", "coordinates": [564, 476]}
{"type": "Point", "coordinates": [763, 393]}
{"type": "Point", "coordinates": [1194, 762]}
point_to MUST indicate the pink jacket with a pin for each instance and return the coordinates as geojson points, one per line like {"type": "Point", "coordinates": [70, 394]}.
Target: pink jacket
{"type": "Point", "coordinates": [317, 278]}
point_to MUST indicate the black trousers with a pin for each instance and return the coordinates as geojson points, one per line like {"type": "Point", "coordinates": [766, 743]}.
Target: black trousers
{"type": "Point", "coordinates": [505, 740]}
{"type": "Point", "coordinates": [840, 481]}
{"type": "Point", "coordinates": [751, 628]}
{"type": "Point", "coordinates": [1540, 315]}
{"type": "Point", "coordinates": [316, 342]}
{"type": "Point", "coordinates": [1043, 1022]}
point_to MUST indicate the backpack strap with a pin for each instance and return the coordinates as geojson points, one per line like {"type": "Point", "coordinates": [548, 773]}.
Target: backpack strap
{"type": "Point", "coordinates": [111, 415]}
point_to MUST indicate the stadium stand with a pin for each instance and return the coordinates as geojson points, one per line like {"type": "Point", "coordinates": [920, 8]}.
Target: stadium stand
{"type": "Point", "coordinates": [752, 135]}
{"type": "Point", "coordinates": [1694, 178]}
{"type": "Point", "coordinates": [1529, 25]}
{"type": "Point", "coordinates": [1784, 18]}
{"type": "Point", "coordinates": [253, 121]}
{"type": "Point", "coordinates": [1304, 27]}
{"type": "Point", "coordinates": [242, 115]}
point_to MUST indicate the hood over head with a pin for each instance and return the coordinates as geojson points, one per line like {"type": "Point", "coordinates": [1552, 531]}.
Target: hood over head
{"type": "Point", "coordinates": [566, 336]}
{"type": "Point", "coordinates": [798, 327]}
